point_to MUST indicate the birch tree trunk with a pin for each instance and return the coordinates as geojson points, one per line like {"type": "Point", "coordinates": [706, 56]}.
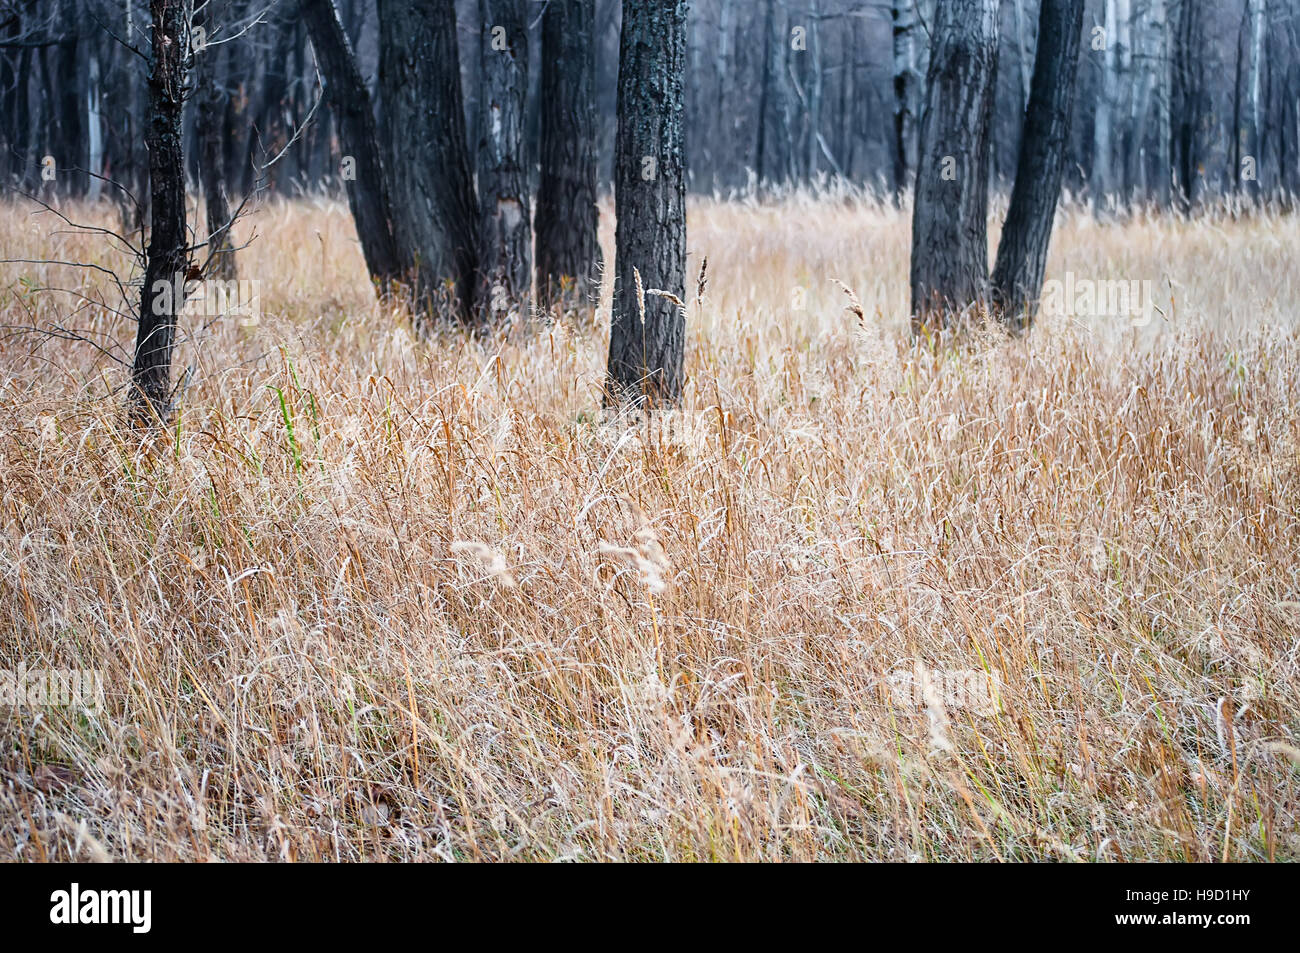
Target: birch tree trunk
{"type": "Point", "coordinates": [1249, 126]}
{"type": "Point", "coordinates": [94, 131]}
{"type": "Point", "coordinates": [1110, 122]}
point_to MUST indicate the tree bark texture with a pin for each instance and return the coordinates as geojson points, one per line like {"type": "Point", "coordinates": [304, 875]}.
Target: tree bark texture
{"type": "Point", "coordinates": [566, 222]}
{"type": "Point", "coordinates": [362, 167]}
{"type": "Point", "coordinates": [505, 223]}
{"type": "Point", "coordinates": [1022, 250]}
{"type": "Point", "coordinates": [435, 212]}
{"type": "Point", "coordinates": [648, 334]}
{"type": "Point", "coordinates": [166, 257]}
{"type": "Point", "coordinates": [949, 271]}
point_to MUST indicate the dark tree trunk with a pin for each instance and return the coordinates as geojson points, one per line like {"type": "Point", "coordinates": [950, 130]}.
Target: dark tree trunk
{"type": "Point", "coordinates": [238, 122]}
{"type": "Point", "coordinates": [220, 253]}
{"type": "Point", "coordinates": [775, 151]}
{"type": "Point", "coordinates": [949, 230]}
{"type": "Point", "coordinates": [11, 85]}
{"type": "Point", "coordinates": [166, 257]}
{"type": "Point", "coordinates": [843, 120]}
{"type": "Point", "coordinates": [20, 168]}
{"type": "Point", "coordinates": [647, 341]}
{"type": "Point", "coordinates": [126, 107]}
{"type": "Point", "coordinates": [362, 170]}
{"type": "Point", "coordinates": [71, 153]}
{"type": "Point", "coordinates": [809, 94]}
{"type": "Point", "coordinates": [907, 36]}
{"type": "Point", "coordinates": [1189, 102]}
{"type": "Point", "coordinates": [1289, 135]}
{"type": "Point", "coordinates": [301, 152]}
{"type": "Point", "coordinates": [270, 134]}
{"type": "Point", "coordinates": [434, 209]}
{"type": "Point", "coordinates": [568, 246]}
{"type": "Point", "coordinates": [1022, 251]}
{"type": "Point", "coordinates": [505, 229]}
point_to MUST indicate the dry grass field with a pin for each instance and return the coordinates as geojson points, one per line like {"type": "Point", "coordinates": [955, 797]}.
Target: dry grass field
{"type": "Point", "coordinates": [377, 597]}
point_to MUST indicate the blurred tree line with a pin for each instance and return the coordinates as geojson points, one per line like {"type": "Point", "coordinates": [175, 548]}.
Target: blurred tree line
{"type": "Point", "coordinates": [1173, 96]}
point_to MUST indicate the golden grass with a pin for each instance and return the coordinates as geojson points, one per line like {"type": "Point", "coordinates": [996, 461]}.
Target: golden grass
{"type": "Point", "coordinates": [381, 598]}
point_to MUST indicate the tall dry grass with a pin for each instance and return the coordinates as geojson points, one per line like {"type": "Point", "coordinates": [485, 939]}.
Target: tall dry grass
{"type": "Point", "coordinates": [374, 597]}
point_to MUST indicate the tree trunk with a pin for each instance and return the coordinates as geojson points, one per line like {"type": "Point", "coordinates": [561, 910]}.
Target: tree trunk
{"type": "Point", "coordinates": [11, 83]}
{"type": "Point", "coordinates": [167, 257]}
{"type": "Point", "coordinates": [775, 151]}
{"type": "Point", "coordinates": [435, 213]}
{"type": "Point", "coordinates": [648, 334]}
{"type": "Point", "coordinates": [362, 168]}
{"type": "Point", "coordinates": [812, 58]}
{"type": "Point", "coordinates": [271, 132]}
{"type": "Point", "coordinates": [1144, 58]}
{"type": "Point", "coordinates": [907, 80]}
{"type": "Point", "coordinates": [18, 111]}
{"type": "Point", "coordinates": [71, 90]}
{"type": "Point", "coordinates": [94, 130]}
{"type": "Point", "coordinates": [237, 126]}
{"type": "Point", "coordinates": [844, 119]}
{"type": "Point", "coordinates": [1251, 51]}
{"type": "Point", "coordinates": [220, 253]}
{"type": "Point", "coordinates": [1289, 135]}
{"type": "Point", "coordinates": [129, 99]}
{"type": "Point", "coordinates": [1110, 125]}
{"type": "Point", "coordinates": [1189, 102]}
{"type": "Point", "coordinates": [568, 246]}
{"type": "Point", "coordinates": [723, 126]}
{"type": "Point", "coordinates": [949, 269]}
{"type": "Point", "coordinates": [1160, 25]}
{"type": "Point", "coordinates": [1022, 251]}
{"type": "Point", "coordinates": [1022, 56]}
{"type": "Point", "coordinates": [505, 230]}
